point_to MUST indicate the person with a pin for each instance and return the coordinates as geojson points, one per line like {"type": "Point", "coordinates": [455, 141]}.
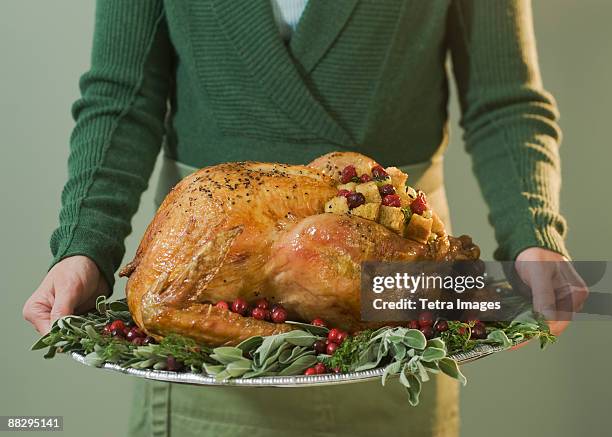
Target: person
{"type": "Point", "coordinates": [289, 80]}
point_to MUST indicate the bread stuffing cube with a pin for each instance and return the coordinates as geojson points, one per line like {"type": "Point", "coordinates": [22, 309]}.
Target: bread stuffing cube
{"type": "Point", "coordinates": [337, 205]}
{"type": "Point", "coordinates": [419, 228]}
{"type": "Point", "coordinates": [392, 218]}
{"type": "Point", "coordinates": [367, 211]}
{"type": "Point", "coordinates": [349, 186]}
{"type": "Point", "coordinates": [369, 191]}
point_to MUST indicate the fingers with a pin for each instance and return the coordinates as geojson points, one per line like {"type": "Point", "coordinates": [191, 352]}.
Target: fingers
{"type": "Point", "coordinates": [37, 311]}
{"type": "Point", "coordinates": [544, 298]}
{"type": "Point", "coordinates": [67, 294]}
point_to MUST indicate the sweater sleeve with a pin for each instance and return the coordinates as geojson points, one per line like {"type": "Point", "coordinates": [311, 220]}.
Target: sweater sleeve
{"type": "Point", "coordinates": [510, 122]}
{"type": "Point", "coordinates": [118, 133]}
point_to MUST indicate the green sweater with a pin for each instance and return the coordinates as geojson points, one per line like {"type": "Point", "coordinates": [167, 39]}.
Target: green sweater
{"type": "Point", "coordinates": [214, 78]}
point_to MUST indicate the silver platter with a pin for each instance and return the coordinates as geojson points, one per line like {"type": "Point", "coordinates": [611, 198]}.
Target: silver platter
{"type": "Point", "coordinates": [478, 352]}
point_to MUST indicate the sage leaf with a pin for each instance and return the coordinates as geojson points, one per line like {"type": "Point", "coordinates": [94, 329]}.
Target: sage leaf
{"type": "Point", "coordinates": [226, 354]}
{"type": "Point", "coordinates": [415, 339]}
{"type": "Point", "coordinates": [449, 366]}
{"type": "Point", "coordinates": [299, 365]}
{"type": "Point", "coordinates": [433, 354]}
{"type": "Point", "coordinates": [499, 337]}
{"type": "Point", "coordinates": [391, 369]}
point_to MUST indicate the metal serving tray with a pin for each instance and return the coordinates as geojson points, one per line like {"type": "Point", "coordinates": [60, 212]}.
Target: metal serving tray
{"type": "Point", "coordinates": [478, 352]}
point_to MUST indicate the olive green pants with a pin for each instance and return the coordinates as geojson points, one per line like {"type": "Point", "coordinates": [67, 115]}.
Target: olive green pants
{"type": "Point", "coordinates": [361, 409]}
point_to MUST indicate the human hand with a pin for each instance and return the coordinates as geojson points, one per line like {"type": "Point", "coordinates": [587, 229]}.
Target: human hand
{"type": "Point", "coordinates": [70, 287]}
{"type": "Point", "coordinates": [558, 291]}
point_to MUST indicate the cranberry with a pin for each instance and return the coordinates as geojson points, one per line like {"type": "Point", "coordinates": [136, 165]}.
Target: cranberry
{"type": "Point", "coordinates": [337, 370]}
{"type": "Point", "coordinates": [310, 371]}
{"type": "Point", "coordinates": [173, 365]}
{"type": "Point", "coordinates": [117, 333]}
{"type": "Point", "coordinates": [343, 193]}
{"type": "Point", "coordinates": [222, 305]}
{"type": "Point", "coordinates": [355, 199]}
{"type": "Point", "coordinates": [341, 337]}
{"type": "Point", "coordinates": [479, 332]}
{"type": "Point", "coordinates": [318, 322]}
{"type": "Point", "coordinates": [386, 189]}
{"type": "Point", "coordinates": [240, 306]}
{"type": "Point", "coordinates": [462, 330]}
{"type": "Point", "coordinates": [320, 368]}
{"type": "Point", "coordinates": [133, 333]}
{"type": "Point", "coordinates": [365, 178]}
{"type": "Point", "coordinates": [319, 346]}
{"type": "Point", "coordinates": [279, 315]}
{"type": "Point", "coordinates": [331, 348]}
{"type": "Point", "coordinates": [413, 324]}
{"type": "Point", "coordinates": [348, 173]}
{"type": "Point", "coordinates": [148, 340]}
{"type": "Point", "coordinates": [260, 313]}
{"type": "Point", "coordinates": [379, 173]}
{"type": "Point", "coordinates": [392, 200]}
{"type": "Point", "coordinates": [332, 335]}
{"type": "Point", "coordinates": [441, 326]}
{"type": "Point", "coordinates": [419, 205]}
{"type": "Point", "coordinates": [138, 341]}
{"type": "Point", "coordinates": [262, 303]}
{"type": "Point", "coordinates": [428, 332]}
{"type": "Point", "coordinates": [426, 318]}
{"type": "Point", "coordinates": [117, 325]}
{"type": "Point", "coordinates": [106, 330]}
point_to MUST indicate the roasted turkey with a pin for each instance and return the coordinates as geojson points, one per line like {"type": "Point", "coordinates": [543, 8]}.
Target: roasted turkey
{"type": "Point", "coordinates": [254, 230]}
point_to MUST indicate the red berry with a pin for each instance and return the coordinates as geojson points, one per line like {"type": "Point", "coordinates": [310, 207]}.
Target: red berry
{"type": "Point", "coordinates": [479, 332]}
{"type": "Point", "coordinates": [222, 305]}
{"type": "Point", "coordinates": [462, 330]}
{"type": "Point", "coordinates": [331, 348]}
{"type": "Point", "coordinates": [413, 324]}
{"type": "Point", "coordinates": [392, 200]}
{"type": "Point", "coordinates": [355, 199]}
{"type": "Point", "coordinates": [348, 173]}
{"type": "Point", "coordinates": [426, 318]}
{"type": "Point", "coordinates": [320, 368]}
{"type": "Point", "coordinates": [386, 190]}
{"type": "Point", "coordinates": [310, 371]}
{"type": "Point", "coordinates": [262, 303]}
{"type": "Point", "coordinates": [441, 326]}
{"type": "Point", "coordinates": [318, 322]}
{"type": "Point", "coordinates": [319, 346]}
{"type": "Point", "coordinates": [419, 205]}
{"type": "Point", "coordinates": [117, 333]}
{"type": "Point", "coordinates": [365, 178]}
{"type": "Point", "coordinates": [337, 370]}
{"type": "Point", "coordinates": [428, 332]}
{"type": "Point", "coordinates": [341, 337]}
{"type": "Point", "coordinates": [117, 325]}
{"type": "Point", "coordinates": [279, 315]}
{"type": "Point", "coordinates": [343, 193]}
{"type": "Point", "coordinates": [240, 306]}
{"type": "Point", "coordinates": [260, 313]}
{"type": "Point", "coordinates": [148, 340]}
{"type": "Point", "coordinates": [378, 172]}
{"type": "Point", "coordinates": [173, 365]}
{"type": "Point", "coordinates": [332, 335]}
{"type": "Point", "coordinates": [133, 333]}
{"type": "Point", "coordinates": [106, 330]}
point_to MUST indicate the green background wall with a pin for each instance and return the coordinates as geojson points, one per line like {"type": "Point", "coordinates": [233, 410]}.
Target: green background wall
{"type": "Point", "coordinates": [564, 391]}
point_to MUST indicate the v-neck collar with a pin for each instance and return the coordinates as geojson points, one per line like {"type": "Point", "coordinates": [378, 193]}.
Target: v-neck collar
{"type": "Point", "coordinates": [250, 25]}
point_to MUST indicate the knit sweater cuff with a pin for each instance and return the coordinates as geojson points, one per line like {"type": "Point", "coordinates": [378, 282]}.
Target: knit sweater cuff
{"type": "Point", "coordinates": [528, 235]}
{"type": "Point", "coordinates": [104, 251]}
